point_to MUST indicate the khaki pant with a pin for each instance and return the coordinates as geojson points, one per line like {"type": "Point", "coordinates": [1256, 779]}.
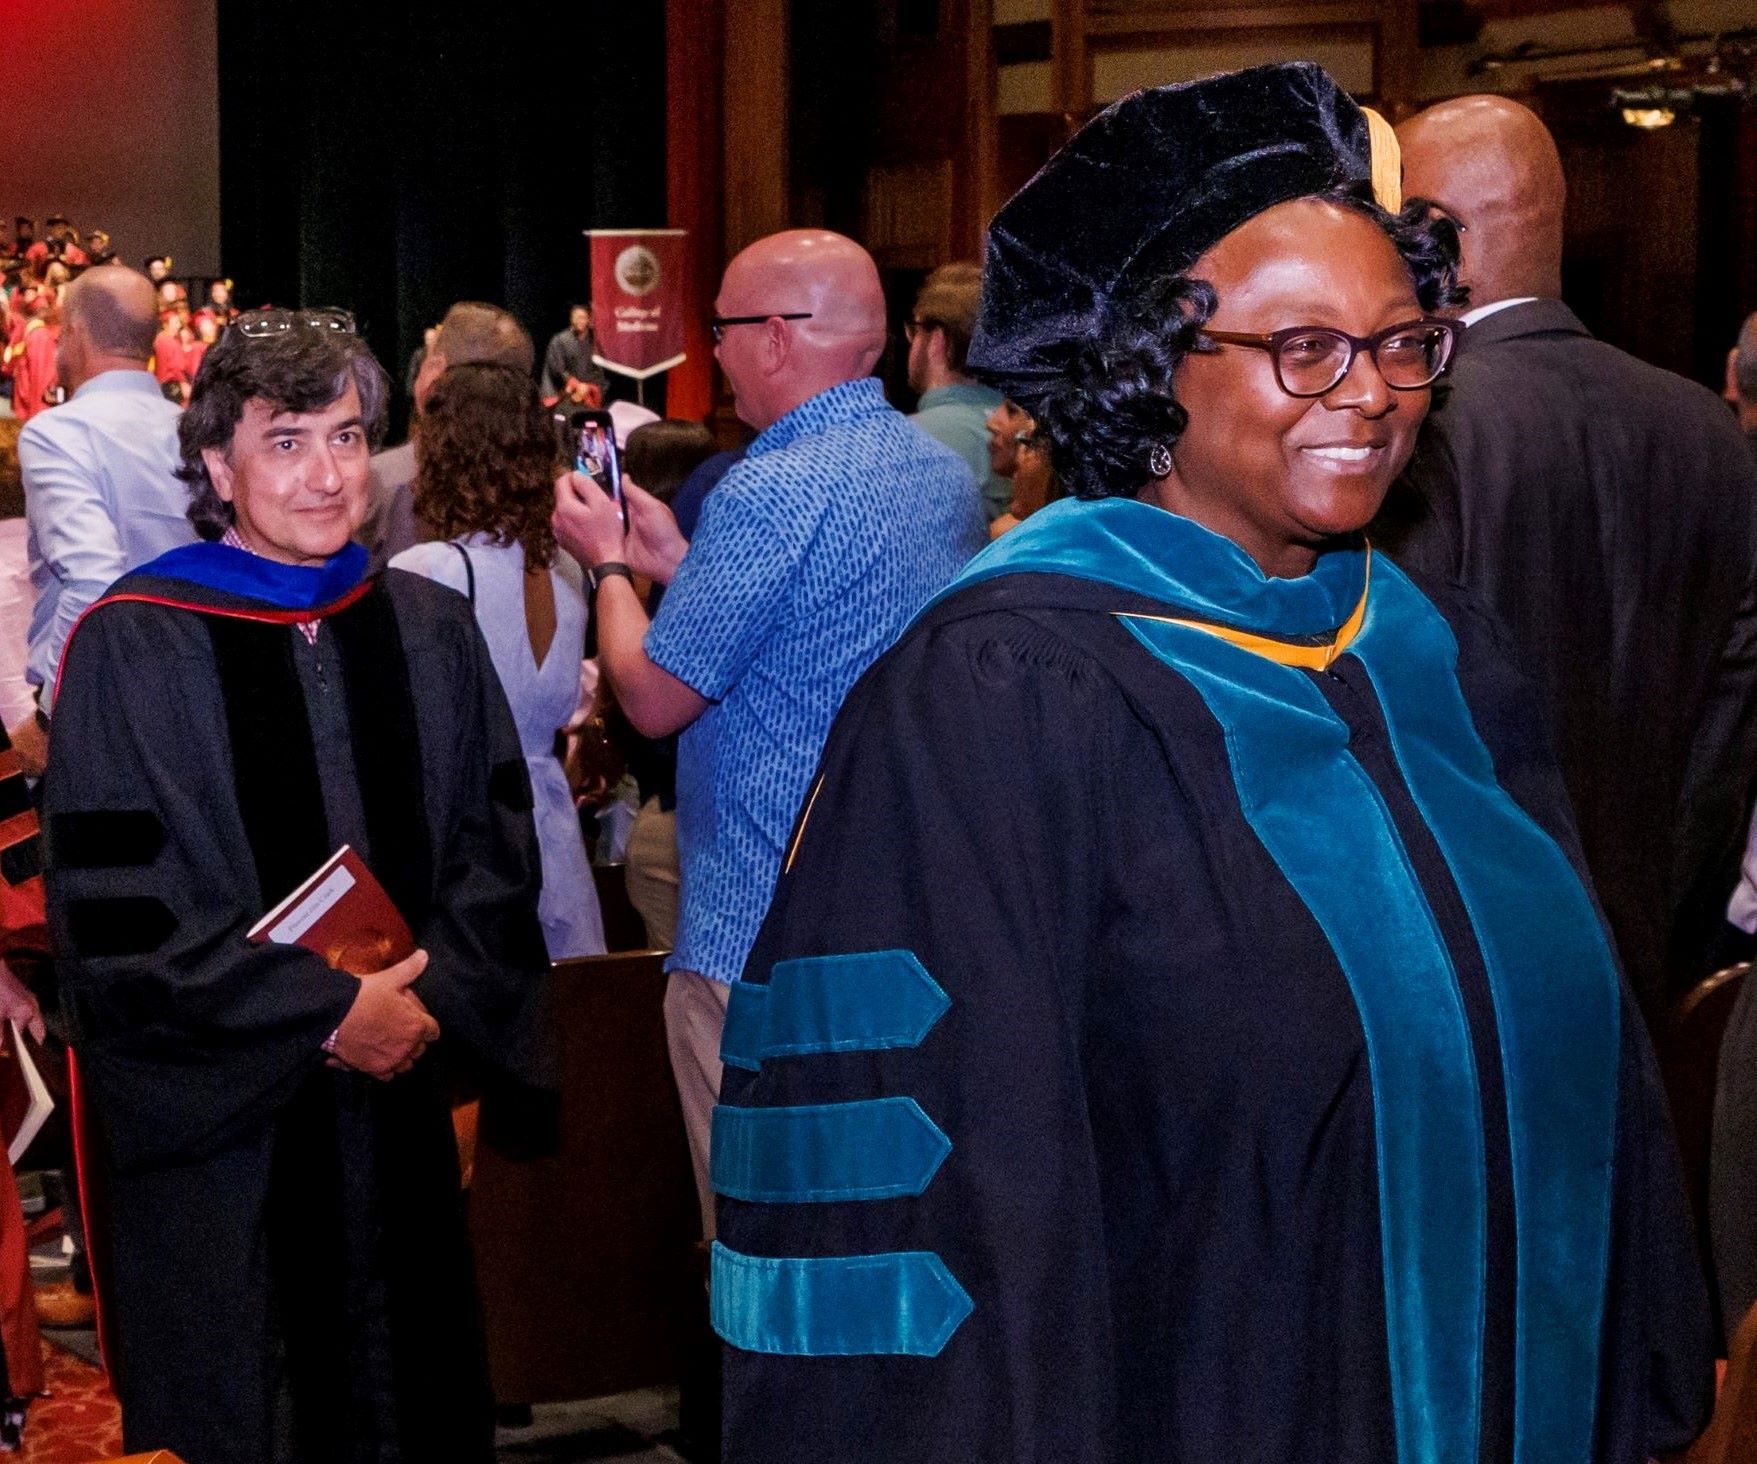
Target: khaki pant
{"type": "Point", "coordinates": [695, 1016]}
{"type": "Point", "coordinates": [652, 873]}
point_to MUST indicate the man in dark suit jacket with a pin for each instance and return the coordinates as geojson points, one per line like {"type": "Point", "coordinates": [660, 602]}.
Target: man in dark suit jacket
{"type": "Point", "coordinates": [1607, 510]}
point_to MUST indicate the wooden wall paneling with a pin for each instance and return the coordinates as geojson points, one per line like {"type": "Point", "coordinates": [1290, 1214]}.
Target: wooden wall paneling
{"type": "Point", "coordinates": [1122, 61]}
{"type": "Point", "coordinates": [978, 195]}
{"type": "Point", "coordinates": [1073, 68]}
{"type": "Point", "coordinates": [1161, 19]}
{"type": "Point", "coordinates": [1026, 142]}
{"type": "Point", "coordinates": [1631, 273]}
{"type": "Point", "coordinates": [755, 68]}
{"type": "Point", "coordinates": [1384, 31]}
{"type": "Point", "coordinates": [908, 215]}
{"type": "Point", "coordinates": [693, 171]}
{"type": "Point", "coordinates": [1398, 63]}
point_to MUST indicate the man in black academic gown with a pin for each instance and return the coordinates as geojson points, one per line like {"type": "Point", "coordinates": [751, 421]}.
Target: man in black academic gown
{"type": "Point", "coordinates": [292, 1279]}
{"type": "Point", "coordinates": [569, 369]}
{"type": "Point", "coordinates": [1607, 511]}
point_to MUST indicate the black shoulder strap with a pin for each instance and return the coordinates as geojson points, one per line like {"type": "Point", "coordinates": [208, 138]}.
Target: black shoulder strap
{"type": "Point", "coordinates": [469, 572]}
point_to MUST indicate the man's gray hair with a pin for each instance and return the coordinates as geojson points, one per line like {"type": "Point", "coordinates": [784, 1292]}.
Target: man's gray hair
{"type": "Point", "coordinates": [300, 370]}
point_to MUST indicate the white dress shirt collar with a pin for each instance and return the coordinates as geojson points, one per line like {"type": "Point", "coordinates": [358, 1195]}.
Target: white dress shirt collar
{"type": "Point", "coordinates": [1483, 312]}
{"type": "Point", "coordinates": [123, 378]}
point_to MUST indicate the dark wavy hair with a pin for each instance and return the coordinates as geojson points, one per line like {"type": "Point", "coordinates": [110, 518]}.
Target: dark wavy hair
{"type": "Point", "coordinates": [485, 460]}
{"type": "Point", "coordinates": [1103, 418]}
{"type": "Point", "coordinates": [298, 370]}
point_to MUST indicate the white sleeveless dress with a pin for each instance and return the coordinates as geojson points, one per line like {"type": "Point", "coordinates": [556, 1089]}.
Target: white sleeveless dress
{"type": "Point", "coordinates": [542, 699]}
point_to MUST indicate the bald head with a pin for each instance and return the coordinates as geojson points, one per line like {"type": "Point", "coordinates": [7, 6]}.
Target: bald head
{"type": "Point", "coordinates": [1493, 166]}
{"type": "Point", "coordinates": [1741, 375]}
{"type": "Point", "coordinates": [1744, 363]}
{"type": "Point", "coordinates": [831, 282]}
{"type": "Point", "coordinates": [115, 309]}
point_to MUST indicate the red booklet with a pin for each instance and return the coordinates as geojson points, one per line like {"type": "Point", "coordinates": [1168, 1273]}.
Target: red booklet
{"type": "Point", "coordinates": [343, 914]}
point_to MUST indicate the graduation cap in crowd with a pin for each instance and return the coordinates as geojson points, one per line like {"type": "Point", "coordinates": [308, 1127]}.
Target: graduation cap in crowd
{"type": "Point", "coordinates": [1140, 193]}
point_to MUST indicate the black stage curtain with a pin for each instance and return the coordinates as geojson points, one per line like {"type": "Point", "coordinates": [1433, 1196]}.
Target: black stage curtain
{"type": "Point", "coordinates": [392, 158]}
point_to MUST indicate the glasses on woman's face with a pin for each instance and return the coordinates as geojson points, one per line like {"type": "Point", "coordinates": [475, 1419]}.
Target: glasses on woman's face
{"type": "Point", "coordinates": [259, 323]}
{"type": "Point", "coordinates": [1310, 360]}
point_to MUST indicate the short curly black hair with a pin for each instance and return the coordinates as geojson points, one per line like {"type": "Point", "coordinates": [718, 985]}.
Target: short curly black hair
{"type": "Point", "coordinates": [1115, 404]}
{"type": "Point", "coordinates": [298, 370]}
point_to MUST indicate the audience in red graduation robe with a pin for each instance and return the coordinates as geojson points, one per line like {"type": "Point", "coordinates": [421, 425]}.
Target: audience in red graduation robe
{"type": "Point", "coordinates": [170, 356]}
{"type": "Point", "coordinates": [33, 358]}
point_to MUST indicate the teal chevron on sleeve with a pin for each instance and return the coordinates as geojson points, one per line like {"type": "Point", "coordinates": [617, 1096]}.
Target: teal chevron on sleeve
{"type": "Point", "coordinates": [873, 1149]}
{"type": "Point", "coordinates": [862, 1001]}
{"type": "Point", "coordinates": [902, 1303]}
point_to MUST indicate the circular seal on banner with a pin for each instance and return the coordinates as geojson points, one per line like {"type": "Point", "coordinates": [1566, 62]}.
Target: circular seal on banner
{"type": "Point", "coordinates": [637, 270]}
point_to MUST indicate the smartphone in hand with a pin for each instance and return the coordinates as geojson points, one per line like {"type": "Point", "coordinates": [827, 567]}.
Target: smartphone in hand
{"type": "Point", "coordinates": [588, 444]}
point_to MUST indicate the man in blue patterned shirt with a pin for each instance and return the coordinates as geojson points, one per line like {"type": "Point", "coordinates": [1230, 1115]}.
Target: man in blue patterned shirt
{"type": "Point", "coordinates": [809, 559]}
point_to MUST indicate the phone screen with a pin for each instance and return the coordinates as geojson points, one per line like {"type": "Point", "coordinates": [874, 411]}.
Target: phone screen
{"type": "Point", "coordinates": [589, 443]}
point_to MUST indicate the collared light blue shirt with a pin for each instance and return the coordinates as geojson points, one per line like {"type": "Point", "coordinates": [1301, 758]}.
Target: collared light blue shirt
{"type": "Point", "coordinates": [101, 497]}
{"type": "Point", "coordinates": [810, 558]}
{"type": "Point", "coordinates": [957, 415]}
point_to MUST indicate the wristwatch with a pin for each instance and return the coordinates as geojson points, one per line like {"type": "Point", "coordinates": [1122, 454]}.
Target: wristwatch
{"type": "Point", "coordinates": [596, 574]}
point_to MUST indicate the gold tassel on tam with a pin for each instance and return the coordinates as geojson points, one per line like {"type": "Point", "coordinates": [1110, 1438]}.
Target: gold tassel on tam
{"type": "Point", "coordinates": [1387, 161]}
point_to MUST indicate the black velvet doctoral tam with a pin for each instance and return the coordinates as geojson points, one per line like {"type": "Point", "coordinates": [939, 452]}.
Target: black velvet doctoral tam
{"type": "Point", "coordinates": [1139, 193]}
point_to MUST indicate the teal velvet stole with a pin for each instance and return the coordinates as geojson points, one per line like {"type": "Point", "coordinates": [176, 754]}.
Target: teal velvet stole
{"type": "Point", "coordinates": [1558, 1007]}
{"type": "Point", "coordinates": [1146, 551]}
{"type": "Point", "coordinates": [1323, 822]}
{"type": "Point", "coordinates": [1552, 975]}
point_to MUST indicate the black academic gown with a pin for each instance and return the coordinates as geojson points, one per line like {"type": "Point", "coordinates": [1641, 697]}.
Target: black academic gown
{"type": "Point", "coordinates": [569, 355]}
{"type": "Point", "coordinates": [1606, 511]}
{"type": "Point", "coordinates": [1054, 1128]}
{"type": "Point", "coordinates": [292, 1276]}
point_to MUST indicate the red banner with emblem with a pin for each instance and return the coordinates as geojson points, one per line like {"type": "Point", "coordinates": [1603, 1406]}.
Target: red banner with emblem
{"type": "Point", "coordinates": [638, 299]}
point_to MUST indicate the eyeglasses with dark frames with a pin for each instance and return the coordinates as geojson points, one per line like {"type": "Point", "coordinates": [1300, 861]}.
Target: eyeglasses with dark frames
{"type": "Point", "coordinates": [260, 323]}
{"type": "Point", "coordinates": [717, 326]}
{"type": "Point", "coordinates": [1310, 360]}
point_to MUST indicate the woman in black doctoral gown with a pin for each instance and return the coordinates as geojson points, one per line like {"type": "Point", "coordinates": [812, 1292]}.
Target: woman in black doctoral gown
{"type": "Point", "coordinates": [1237, 1068]}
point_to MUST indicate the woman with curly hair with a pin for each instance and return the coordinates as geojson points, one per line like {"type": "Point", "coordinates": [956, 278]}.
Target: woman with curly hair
{"type": "Point", "coordinates": [1245, 1072]}
{"type": "Point", "coordinates": [484, 476]}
